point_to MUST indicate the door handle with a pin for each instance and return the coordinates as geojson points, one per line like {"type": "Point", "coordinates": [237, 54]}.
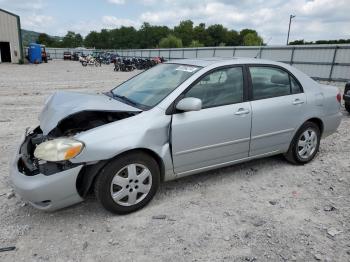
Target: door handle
{"type": "Point", "coordinates": [242, 111]}
{"type": "Point", "coordinates": [298, 101]}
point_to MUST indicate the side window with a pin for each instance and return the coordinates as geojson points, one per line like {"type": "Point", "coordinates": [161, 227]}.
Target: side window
{"type": "Point", "coordinates": [269, 82]}
{"type": "Point", "coordinates": [296, 89]}
{"type": "Point", "coordinates": [221, 87]}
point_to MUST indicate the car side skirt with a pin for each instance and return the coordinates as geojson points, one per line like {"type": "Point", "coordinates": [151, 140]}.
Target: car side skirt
{"type": "Point", "coordinates": [237, 161]}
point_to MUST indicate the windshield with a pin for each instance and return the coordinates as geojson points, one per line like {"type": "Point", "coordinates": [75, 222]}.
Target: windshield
{"type": "Point", "coordinates": [152, 86]}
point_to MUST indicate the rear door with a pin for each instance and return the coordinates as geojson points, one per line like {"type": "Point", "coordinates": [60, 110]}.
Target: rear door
{"type": "Point", "coordinates": [220, 132]}
{"type": "Point", "coordinates": [278, 105]}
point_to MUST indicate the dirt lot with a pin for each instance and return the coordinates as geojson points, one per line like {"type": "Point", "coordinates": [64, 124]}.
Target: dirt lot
{"type": "Point", "coordinates": [264, 210]}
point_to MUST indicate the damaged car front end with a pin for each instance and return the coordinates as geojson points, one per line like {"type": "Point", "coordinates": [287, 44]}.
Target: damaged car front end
{"type": "Point", "coordinates": [45, 185]}
{"type": "Point", "coordinates": [42, 171]}
{"type": "Point", "coordinates": [82, 137]}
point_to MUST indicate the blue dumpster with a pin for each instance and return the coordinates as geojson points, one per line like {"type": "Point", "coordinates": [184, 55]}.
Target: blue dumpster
{"type": "Point", "coordinates": [34, 53]}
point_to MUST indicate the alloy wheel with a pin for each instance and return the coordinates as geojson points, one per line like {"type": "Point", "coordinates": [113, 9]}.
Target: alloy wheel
{"type": "Point", "coordinates": [131, 184]}
{"type": "Point", "coordinates": [307, 143]}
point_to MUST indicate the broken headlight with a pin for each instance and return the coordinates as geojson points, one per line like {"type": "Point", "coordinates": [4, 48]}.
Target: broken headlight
{"type": "Point", "coordinates": [58, 149]}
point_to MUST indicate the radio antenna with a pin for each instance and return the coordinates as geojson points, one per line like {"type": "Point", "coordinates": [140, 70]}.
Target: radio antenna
{"type": "Point", "coordinates": [268, 41]}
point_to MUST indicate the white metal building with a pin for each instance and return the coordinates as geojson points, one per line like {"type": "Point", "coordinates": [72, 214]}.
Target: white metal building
{"type": "Point", "coordinates": [10, 38]}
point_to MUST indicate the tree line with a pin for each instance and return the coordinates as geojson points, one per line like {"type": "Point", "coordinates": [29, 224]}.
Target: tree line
{"type": "Point", "coordinates": [185, 34]}
{"type": "Point", "coordinates": [320, 42]}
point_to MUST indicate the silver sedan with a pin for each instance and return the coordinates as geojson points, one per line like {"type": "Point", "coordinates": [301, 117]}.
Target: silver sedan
{"type": "Point", "coordinates": [176, 119]}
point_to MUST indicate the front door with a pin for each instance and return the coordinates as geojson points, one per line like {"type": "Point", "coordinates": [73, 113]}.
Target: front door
{"type": "Point", "coordinates": [218, 133]}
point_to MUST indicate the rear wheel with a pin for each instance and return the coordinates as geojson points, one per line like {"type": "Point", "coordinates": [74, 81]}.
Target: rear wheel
{"type": "Point", "coordinates": [128, 183]}
{"type": "Point", "coordinates": [305, 144]}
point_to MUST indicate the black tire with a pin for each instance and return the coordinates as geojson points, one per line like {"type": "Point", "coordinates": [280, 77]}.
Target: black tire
{"type": "Point", "coordinates": [293, 155]}
{"type": "Point", "coordinates": [347, 107]}
{"type": "Point", "coordinates": [104, 180]}
{"type": "Point", "coordinates": [84, 63]}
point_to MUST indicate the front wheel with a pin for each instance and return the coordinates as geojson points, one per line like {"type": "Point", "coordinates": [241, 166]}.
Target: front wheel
{"type": "Point", "coordinates": [128, 183]}
{"type": "Point", "coordinates": [305, 144]}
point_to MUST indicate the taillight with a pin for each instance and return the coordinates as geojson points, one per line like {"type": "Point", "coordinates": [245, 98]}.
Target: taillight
{"type": "Point", "coordinates": [339, 97]}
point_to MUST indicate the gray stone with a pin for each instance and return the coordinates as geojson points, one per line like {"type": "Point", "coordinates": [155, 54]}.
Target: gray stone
{"type": "Point", "coordinates": [10, 195]}
{"type": "Point", "coordinates": [159, 217]}
{"type": "Point", "coordinates": [333, 231]}
{"type": "Point", "coordinates": [259, 222]}
{"type": "Point", "coordinates": [318, 256]}
{"type": "Point", "coordinates": [273, 202]}
{"type": "Point", "coordinates": [329, 208]}
{"type": "Point", "coordinates": [227, 238]}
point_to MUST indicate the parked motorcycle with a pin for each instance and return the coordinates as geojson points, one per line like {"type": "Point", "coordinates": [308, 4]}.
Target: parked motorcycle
{"type": "Point", "coordinates": [130, 64]}
{"type": "Point", "coordinates": [89, 60]}
{"type": "Point", "coordinates": [124, 64]}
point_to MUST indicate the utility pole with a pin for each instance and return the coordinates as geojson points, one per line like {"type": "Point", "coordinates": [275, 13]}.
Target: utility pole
{"type": "Point", "coordinates": [290, 21]}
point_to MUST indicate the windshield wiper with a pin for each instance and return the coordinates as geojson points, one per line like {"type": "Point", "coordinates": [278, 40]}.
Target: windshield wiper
{"type": "Point", "coordinates": [124, 98]}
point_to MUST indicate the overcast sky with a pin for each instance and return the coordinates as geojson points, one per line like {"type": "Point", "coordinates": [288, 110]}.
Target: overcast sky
{"type": "Point", "coordinates": [315, 19]}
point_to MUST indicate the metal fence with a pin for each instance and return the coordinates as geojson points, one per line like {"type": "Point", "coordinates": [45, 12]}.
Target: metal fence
{"type": "Point", "coordinates": [321, 62]}
{"type": "Point", "coordinates": [57, 53]}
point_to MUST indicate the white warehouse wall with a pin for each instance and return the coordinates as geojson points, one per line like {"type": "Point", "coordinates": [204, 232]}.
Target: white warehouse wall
{"type": "Point", "coordinates": [9, 33]}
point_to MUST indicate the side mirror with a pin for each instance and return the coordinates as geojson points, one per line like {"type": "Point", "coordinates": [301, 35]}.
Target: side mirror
{"type": "Point", "coordinates": [189, 104]}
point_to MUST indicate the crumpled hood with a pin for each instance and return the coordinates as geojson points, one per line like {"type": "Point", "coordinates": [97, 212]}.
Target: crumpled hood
{"type": "Point", "coordinates": [63, 104]}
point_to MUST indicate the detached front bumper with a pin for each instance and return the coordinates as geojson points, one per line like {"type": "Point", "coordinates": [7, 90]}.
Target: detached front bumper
{"type": "Point", "coordinates": [46, 192]}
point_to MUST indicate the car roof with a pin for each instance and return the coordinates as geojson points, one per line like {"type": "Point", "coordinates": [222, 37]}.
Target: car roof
{"type": "Point", "coordinates": [204, 62]}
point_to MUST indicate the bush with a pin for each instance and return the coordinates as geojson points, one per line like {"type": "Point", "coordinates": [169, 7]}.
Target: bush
{"type": "Point", "coordinates": [196, 43]}
{"type": "Point", "coordinates": [170, 41]}
{"type": "Point", "coordinates": [252, 39]}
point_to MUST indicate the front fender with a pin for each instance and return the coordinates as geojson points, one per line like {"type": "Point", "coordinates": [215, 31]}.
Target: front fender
{"type": "Point", "coordinates": [149, 130]}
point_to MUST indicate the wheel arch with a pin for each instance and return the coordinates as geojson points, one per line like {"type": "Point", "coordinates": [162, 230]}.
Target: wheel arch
{"type": "Point", "coordinates": [290, 154]}
{"type": "Point", "coordinates": [314, 120]}
{"type": "Point", "coordinates": [89, 173]}
{"type": "Point", "coordinates": [318, 122]}
{"type": "Point", "coordinates": [153, 154]}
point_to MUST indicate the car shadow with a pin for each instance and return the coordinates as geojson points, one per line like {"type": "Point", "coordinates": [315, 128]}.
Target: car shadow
{"type": "Point", "coordinates": [90, 208]}
{"type": "Point", "coordinates": [249, 168]}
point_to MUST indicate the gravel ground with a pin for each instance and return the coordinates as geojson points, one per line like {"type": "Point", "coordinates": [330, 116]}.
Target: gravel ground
{"type": "Point", "coordinates": [264, 210]}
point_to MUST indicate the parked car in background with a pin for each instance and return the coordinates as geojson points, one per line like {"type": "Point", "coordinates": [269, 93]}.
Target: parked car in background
{"type": "Point", "coordinates": [76, 55]}
{"type": "Point", "coordinates": [176, 119]}
{"type": "Point", "coordinates": [346, 97]}
{"type": "Point", "coordinates": [67, 55]}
